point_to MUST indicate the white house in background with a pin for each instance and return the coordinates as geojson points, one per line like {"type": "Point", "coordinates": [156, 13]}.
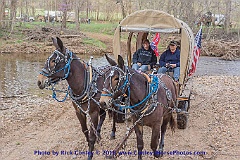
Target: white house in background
{"type": "Point", "coordinates": [54, 14]}
{"type": "Point", "coordinates": [59, 15]}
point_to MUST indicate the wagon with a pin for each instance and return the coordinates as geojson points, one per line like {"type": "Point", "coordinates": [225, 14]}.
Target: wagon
{"type": "Point", "coordinates": [141, 24]}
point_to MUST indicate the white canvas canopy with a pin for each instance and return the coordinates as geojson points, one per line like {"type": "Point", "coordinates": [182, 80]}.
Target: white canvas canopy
{"type": "Point", "coordinates": [153, 21]}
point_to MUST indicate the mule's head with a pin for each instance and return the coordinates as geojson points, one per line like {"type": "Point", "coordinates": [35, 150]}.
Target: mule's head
{"type": "Point", "coordinates": [56, 66]}
{"type": "Point", "coordinates": [115, 81]}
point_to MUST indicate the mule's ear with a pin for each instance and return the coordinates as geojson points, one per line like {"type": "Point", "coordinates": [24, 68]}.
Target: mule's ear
{"type": "Point", "coordinates": [120, 62]}
{"type": "Point", "coordinates": [110, 60]}
{"type": "Point", "coordinates": [54, 40]}
{"type": "Point", "coordinates": [60, 44]}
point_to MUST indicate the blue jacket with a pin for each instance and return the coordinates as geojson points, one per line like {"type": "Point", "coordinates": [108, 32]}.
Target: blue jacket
{"type": "Point", "coordinates": [169, 57]}
{"type": "Point", "coordinates": [145, 57]}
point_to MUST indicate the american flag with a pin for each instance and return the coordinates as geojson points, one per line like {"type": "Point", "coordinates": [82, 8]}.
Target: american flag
{"type": "Point", "coordinates": [154, 43]}
{"type": "Point", "coordinates": [196, 51]}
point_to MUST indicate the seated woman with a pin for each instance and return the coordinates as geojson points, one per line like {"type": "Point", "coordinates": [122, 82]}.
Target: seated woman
{"type": "Point", "coordinates": [144, 58]}
{"type": "Point", "coordinates": [170, 60]}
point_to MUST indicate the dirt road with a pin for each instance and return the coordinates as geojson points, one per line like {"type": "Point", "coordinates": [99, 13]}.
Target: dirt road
{"type": "Point", "coordinates": [34, 127]}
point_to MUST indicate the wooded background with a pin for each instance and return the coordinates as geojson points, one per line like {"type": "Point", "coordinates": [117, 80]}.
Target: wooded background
{"type": "Point", "coordinates": [114, 10]}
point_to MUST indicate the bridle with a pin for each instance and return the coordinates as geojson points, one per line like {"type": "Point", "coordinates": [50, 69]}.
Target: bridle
{"type": "Point", "coordinates": [123, 79]}
{"type": "Point", "coordinates": [60, 57]}
{"type": "Point", "coordinates": [49, 71]}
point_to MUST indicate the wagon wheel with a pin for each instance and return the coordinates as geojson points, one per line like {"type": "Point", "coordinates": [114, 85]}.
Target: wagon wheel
{"type": "Point", "coordinates": [182, 119]}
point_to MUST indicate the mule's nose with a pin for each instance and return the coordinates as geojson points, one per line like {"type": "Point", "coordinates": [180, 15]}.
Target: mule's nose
{"type": "Point", "coordinates": [41, 81]}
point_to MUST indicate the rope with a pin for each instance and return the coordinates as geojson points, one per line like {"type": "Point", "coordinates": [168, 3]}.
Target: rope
{"type": "Point", "coordinates": [54, 95]}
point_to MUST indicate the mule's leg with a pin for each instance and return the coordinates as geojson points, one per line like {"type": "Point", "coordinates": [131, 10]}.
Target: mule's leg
{"type": "Point", "coordinates": [93, 133]}
{"type": "Point", "coordinates": [82, 119]}
{"type": "Point", "coordinates": [163, 131]}
{"type": "Point", "coordinates": [112, 136]}
{"type": "Point", "coordinates": [155, 139]}
{"type": "Point", "coordinates": [102, 118]}
{"type": "Point", "coordinates": [139, 133]}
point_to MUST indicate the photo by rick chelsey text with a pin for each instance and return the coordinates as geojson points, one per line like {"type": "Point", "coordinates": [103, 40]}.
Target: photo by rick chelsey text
{"type": "Point", "coordinates": [120, 153]}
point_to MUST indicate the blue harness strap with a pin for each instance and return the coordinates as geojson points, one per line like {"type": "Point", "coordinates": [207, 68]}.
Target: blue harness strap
{"type": "Point", "coordinates": [153, 89]}
{"type": "Point", "coordinates": [54, 95]}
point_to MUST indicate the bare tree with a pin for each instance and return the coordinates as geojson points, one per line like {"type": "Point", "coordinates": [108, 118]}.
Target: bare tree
{"type": "Point", "coordinates": [78, 5]}
{"type": "Point", "coordinates": [98, 10]}
{"type": "Point", "coordinates": [13, 9]}
{"type": "Point", "coordinates": [87, 9]}
{"type": "Point", "coordinates": [139, 4]}
{"type": "Point", "coordinates": [64, 9]}
{"type": "Point", "coordinates": [2, 12]}
{"type": "Point", "coordinates": [77, 10]}
{"type": "Point", "coordinates": [122, 8]}
{"type": "Point", "coordinates": [227, 15]}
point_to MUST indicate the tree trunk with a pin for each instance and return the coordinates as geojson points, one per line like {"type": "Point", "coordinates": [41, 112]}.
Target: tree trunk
{"type": "Point", "coordinates": [77, 14]}
{"type": "Point", "coordinates": [21, 9]}
{"type": "Point", "coordinates": [140, 4]}
{"type": "Point", "coordinates": [13, 9]}
{"type": "Point", "coordinates": [2, 12]}
{"type": "Point", "coordinates": [33, 11]}
{"type": "Point", "coordinates": [98, 10]}
{"type": "Point", "coordinates": [64, 19]}
{"type": "Point", "coordinates": [227, 15]}
{"type": "Point", "coordinates": [27, 13]}
{"type": "Point", "coordinates": [123, 9]}
{"type": "Point", "coordinates": [87, 9]}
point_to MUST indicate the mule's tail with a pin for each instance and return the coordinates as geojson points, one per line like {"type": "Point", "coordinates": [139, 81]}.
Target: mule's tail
{"type": "Point", "coordinates": [172, 123]}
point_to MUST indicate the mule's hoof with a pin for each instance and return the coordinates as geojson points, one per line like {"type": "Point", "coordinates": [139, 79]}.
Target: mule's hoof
{"type": "Point", "coordinates": [112, 137]}
{"type": "Point", "coordinates": [158, 154]}
{"type": "Point", "coordinates": [139, 157]}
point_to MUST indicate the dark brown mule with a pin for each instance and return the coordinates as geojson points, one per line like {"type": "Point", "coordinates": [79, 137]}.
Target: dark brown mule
{"type": "Point", "coordinates": [153, 110]}
{"type": "Point", "coordinates": [85, 89]}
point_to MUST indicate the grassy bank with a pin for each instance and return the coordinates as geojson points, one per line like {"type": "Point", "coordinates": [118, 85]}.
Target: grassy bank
{"type": "Point", "coordinates": [23, 30]}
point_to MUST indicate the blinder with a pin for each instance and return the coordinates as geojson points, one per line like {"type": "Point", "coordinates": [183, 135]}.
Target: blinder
{"type": "Point", "coordinates": [50, 68]}
{"type": "Point", "coordinates": [122, 77]}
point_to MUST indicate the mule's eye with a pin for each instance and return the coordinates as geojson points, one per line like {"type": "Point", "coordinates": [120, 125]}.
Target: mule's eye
{"type": "Point", "coordinates": [116, 79]}
{"type": "Point", "coordinates": [54, 60]}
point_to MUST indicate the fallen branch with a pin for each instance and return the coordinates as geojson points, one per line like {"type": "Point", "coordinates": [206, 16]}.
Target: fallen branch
{"type": "Point", "coordinates": [70, 36]}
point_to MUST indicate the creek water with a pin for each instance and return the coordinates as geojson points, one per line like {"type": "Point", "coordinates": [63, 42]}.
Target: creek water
{"type": "Point", "coordinates": [19, 72]}
{"type": "Point", "coordinates": [214, 66]}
